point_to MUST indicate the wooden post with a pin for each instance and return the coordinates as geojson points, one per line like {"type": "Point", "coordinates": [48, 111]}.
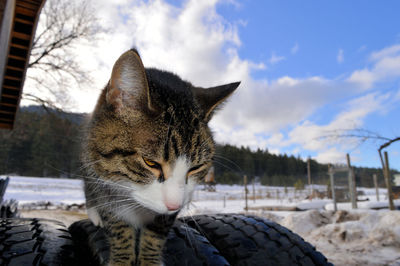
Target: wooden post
{"type": "Point", "coordinates": [245, 191]}
{"type": "Point", "coordinates": [224, 201]}
{"type": "Point", "coordinates": [330, 172]}
{"type": "Point", "coordinates": [376, 186]}
{"type": "Point", "coordinates": [352, 184]}
{"type": "Point", "coordinates": [388, 183]}
{"type": "Point", "coordinates": [309, 176]}
{"type": "Point", "coordinates": [254, 191]}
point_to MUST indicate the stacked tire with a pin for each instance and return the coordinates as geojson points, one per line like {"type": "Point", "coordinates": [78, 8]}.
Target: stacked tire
{"type": "Point", "coordinates": [224, 239]}
{"type": "Point", "coordinates": [35, 242]}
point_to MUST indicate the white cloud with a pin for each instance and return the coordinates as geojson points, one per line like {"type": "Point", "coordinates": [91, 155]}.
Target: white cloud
{"type": "Point", "coordinates": [386, 52]}
{"type": "Point", "coordinates": [362, 48]}
{"type": "Point", "coordinates": [199, 45]}
{"type": "Point", "coordinates": [340, 56]}
{"type": "Point", "coordinates": [295, 49]}
{"type": "Point", "coordinates": [386, 66]}
{"type": "Point", "coordinates": [275, 59]}
{"type": "Point", "coordinates": [331, 155]}
{"type": "Point", "coordinates": [319, 138]}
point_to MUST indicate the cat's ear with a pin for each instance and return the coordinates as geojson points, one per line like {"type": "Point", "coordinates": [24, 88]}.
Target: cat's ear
{"type": "Point", "coordinates": [128, 85]}
{"type": "Point", "coordinates": [209, 99]}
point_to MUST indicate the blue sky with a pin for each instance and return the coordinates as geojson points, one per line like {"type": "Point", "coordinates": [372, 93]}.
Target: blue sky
{"type": "Point", "coordinates": [308, 68]}
{"type": "Point", "coordinates": [308, 36]}
{"type": "Point", "coordinates": [319, 29]}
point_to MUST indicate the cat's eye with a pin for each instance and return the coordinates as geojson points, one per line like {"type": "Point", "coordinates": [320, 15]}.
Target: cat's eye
{"type": "Point", "coordinates": [151, 163]}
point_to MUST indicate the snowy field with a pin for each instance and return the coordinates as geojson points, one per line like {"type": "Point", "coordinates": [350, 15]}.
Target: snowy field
{"type": "Point", "coordinates": [347, 237]}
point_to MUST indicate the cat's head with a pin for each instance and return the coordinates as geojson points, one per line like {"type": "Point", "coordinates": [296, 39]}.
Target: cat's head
{"type": "Point", "coordinates": [149, 132]}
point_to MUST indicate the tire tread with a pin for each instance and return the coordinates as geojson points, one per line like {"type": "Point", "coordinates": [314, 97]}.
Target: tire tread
{"type": "Point", "coordinates": [34, 242]}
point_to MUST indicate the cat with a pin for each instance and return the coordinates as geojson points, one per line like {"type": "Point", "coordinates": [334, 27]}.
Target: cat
{"type": "Point", "coordinates": [148, 145]}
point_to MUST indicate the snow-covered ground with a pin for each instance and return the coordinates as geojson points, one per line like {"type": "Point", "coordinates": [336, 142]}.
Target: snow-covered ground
{"type": "Point", "coordinates": [27, 190]}
{"type": "Point", "coordinates": [346, 237]}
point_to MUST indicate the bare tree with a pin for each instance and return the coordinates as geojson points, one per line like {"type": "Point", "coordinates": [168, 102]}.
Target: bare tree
{"type": "Point", "coordinates": [53, 63]}
{"type": "Point", "coordinates": [364, 135]}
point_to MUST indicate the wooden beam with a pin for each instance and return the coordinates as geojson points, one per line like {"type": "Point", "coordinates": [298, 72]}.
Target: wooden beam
{"type": "Point", "coordinates": [17, 33]}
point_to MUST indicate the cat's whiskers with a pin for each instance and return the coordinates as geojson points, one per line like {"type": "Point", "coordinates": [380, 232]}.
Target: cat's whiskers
{"type": "Point", "coordinates": [197, 224]}
{"type": "Point", "coordinates": [88, 164]}
{"type": "Point", "coordinates": [187, 233]}
{"type": "Point", "coordinates": [227, 167]}
{"type": "Point", "coordinates": [129, 208]}
{"type": "Point", "coordinates": [228, 160]}
{"type": "Point", "coordinates": [106, 196]}
{"type": "Point", "coordinates": [112, 183]}
{"type": "Point", "coordinates": [110, 203]}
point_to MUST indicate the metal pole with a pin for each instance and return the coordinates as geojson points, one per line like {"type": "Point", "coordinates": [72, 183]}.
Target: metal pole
{"type": "Point", "coordinates": [376, 186]}
{"type": "Point", "coordinates": [388, 183]}
{"type": "Point", "coordinates": [330, 172]}
{"type": "Point", "coordinates": [245, 191]}
{"type": "Point", "coordinates": [352, 185]}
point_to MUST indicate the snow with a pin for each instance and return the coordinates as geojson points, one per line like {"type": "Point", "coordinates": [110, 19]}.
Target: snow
{"type": "Point", "coordinates": [362, 237]}
{"type": "Point", "coordinates": [27, 190]}
{"type": "Point", "coordinates": [345, 237]}
{"type": "Point", "coordinates": [362, 205]}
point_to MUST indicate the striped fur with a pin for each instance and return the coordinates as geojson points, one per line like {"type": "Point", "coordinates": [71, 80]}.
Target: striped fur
{"type": "Point", "coordinates": [148, 145]}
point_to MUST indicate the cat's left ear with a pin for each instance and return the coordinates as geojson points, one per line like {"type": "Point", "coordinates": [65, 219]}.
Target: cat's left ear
{"type": "Point", "coordinates": [128, 85]}
{"type": "Point", "coordinates": [209, 99]}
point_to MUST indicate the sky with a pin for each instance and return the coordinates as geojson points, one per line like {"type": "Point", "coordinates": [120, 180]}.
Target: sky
{"type": "Point", "coordinates": [308, 69]}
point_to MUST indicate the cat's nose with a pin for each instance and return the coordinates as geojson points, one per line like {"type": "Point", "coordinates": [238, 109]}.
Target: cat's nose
{"type": "Point", "coordinates": [172, 206]}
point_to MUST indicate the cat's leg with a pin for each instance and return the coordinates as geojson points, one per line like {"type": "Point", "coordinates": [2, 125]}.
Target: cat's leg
{"type": "Point", "coordinates": [122, 238]}
{"type": "Point", "coordinates": [152, 240]}
{"type": "Point", "coordinates": [151, 246]}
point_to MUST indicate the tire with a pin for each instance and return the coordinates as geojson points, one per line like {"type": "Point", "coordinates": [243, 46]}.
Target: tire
{"type": "Point", "coordinates": [35, 242]}
{"type": "Point", "coordinates": [184, 246]}
{"type": "Point", "coordinates": [249, 240]}
{"type": "Point", "coordinates": [9, 209]}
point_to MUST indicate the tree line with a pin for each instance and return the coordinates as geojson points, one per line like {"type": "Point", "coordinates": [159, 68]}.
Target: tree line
{"type": "Point", "coordinates": [232, 163]}
{"type": "Point", "coordinates": [46, 142]}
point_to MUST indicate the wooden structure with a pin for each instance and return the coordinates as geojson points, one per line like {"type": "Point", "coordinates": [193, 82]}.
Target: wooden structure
{"type": "Point", "coordinates": [18, 21]}
{"type": "Point", "coordinates": [352, 183]}
{"type": "Point", "coordinates": [209, 181]}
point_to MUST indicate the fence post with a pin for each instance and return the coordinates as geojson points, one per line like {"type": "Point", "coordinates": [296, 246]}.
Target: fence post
{"type": "Point", "coordinates": [388, 183]}
{"type": "Point", "coordinates": [254, 191]}
{"type": "Point", "coordinates": [352, 184]}
{"type": "Point", "coordinates": [224, 201]}
{"type": "Point", "coordinates": [376, 186]}
{"type": "Point", "coordinates": [330, 172]}
{"type": "Point", "coordinates": [309, 177]}
{"type": "Point", "coordinates": [245, 191]}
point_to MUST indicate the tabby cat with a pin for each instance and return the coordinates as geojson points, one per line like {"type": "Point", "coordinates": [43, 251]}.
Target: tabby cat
{"type": "Point", "coordinates": [148, 145]}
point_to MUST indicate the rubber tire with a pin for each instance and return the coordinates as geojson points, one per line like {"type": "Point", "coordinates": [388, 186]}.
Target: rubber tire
{"type": "Point", "coordinates": [249, 240]}
{"type": "Point", "coordinates": [35, 242]}
{"type": "Point", "coordinates": [9, 209]}
{"type": "Point", "coordinates": [184, 246]}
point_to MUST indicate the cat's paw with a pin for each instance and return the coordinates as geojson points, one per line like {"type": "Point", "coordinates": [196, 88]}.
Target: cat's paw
{"type": "Point", "coordinates": [94, 217]}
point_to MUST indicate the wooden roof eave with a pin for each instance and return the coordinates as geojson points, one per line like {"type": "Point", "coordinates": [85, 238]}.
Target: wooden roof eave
{"type": "Point", "coordinates": [19, 22]}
